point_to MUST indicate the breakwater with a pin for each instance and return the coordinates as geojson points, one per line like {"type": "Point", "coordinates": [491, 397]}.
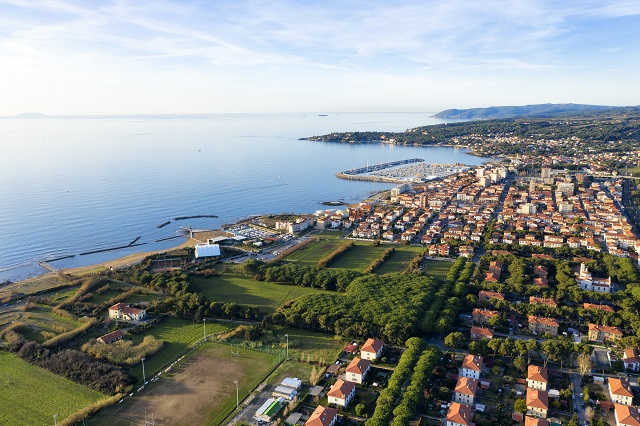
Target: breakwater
{"type": "Point", "coordinates": [382, 166]}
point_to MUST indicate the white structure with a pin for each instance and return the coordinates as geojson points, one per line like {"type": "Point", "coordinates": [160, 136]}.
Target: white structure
{"type": "Point", "coordinates": [207, 250]}
{"type": "Point", "coordinates": [459, 415]}
{"type": "Point", "coordinates": [472, 366]}
{"type": "Point", "coordinates": [124, 312]}
{"type": "Point", "coordinates": [372, 349]}
{"type": "Point", "coordinates": [357, 370]}
{"type": "Point", "coordinates": [591, 283]}
{"type": "Point", "coordinates": [298, 225]}
{"type": "Point", "coordinates": [465, 390]}
{"type": "Point", "coordinates": [620, 391]}
{"type": "Point", "coordinates": [341, 393]}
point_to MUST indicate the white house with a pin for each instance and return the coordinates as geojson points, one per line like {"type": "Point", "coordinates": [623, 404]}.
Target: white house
{"type": "Point", "coordinates": [372, 349]}
{"type": "Point", "coordinates": [341, 393]}
{"type": "Point", "coordinates": [620, 391]}
{"type": "Point", "coordinates": [322, 416]}
{"type": "Point", "coordinates": [357, 370]}
{"type": "Point", "coordinates": [472, 366]}
{"type": "Point", "coordinates": [538, 378]}
{"type": "Point", "coordinates": [591, 283]}
{"type": "Point", "coordinates": [459, 415]}
{"type": "Point", "coordinates": [465, 390]}
{"type": "Point", "coordinates": [124, 312]}
{"type": "Point", "coordinates": [626, 415]}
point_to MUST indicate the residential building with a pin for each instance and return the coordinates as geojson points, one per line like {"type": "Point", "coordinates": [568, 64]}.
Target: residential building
{"type": "Point", "coordinates": [472, 366]}
{"type": "Point", "coordinates": [601, 307]}
{"type": "Point", "coordinates": [481, 316]}
{"type": "Point", "coordinates": [459, 415]}
{"type": "Point", "coordinates": [111, 337]}
{"type": "Point", "coordinates": [537, 403]}
{"type": "Point", "coordinates": [322, 416]}
{"type": "Point", "coordinates": [540, 325]}
{"type": "Point", "coordinates": [372, 349]}
{"type": "Point", "coordinates": [465, 390]}
{"type": "Point", "coordinates": [357, 370]}
{"type": "Point", "coordinates": [478, 333]}
{"type": "Point", "coordinates": [599, 333]}
{"type": "Point", "coordinates": [341, 393]}
{"type": "Point", "coordinates": [620, 391]}
{"type": "Point", "coordinates": [535, 421]}
{"type": "Point", "coordinates": [626, 415]}
{"type": "Point", "coordinates": [538, 377]}
{"type": "Point", "coordinates": [631, 359]}
{"type": "Point", "coordinates": [533, 300]}
{"type": "Point", "coordinates": [485, 295]}
{"type": "Point", "coordinates": [122, 311]}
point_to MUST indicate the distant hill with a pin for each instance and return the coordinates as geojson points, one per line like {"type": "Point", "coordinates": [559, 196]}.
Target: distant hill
{"type": "Point", "coordinates": [539, 110]}
{"type": "Point", "coordinates": [31, 115]}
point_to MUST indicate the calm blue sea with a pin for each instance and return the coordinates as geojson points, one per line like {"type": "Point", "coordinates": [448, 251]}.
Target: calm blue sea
{"type": "Point", "coordinates": [74, 184]}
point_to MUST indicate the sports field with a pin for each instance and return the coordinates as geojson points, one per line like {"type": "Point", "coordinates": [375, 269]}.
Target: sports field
{"type": "Point", "coordinates": [31, 395]}
{"type": "Point", "coordinates": [247, 291]}
{"type": "Point", "coordinates": [200, 390]}
{"type": "Point", "coordinates": [177, 336]}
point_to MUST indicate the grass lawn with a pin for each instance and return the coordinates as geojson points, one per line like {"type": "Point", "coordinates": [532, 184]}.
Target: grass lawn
{"type": "Point", "coordinates": [400, 259]}
{"type": "Point", "coordinates": [360, 256]}
{"type": "Point", "coordinates": [310, 254]}
{"type": "Point", "coordinates": [31, 395]}
{"type": "Point", "coordinates": [177, 335]}
{"type": "Point", "coordinates": [303, 343]}
{"type": "Point", "coordinates": [437, 268]}
{"type": "Point", "coordinates": [247, 291]}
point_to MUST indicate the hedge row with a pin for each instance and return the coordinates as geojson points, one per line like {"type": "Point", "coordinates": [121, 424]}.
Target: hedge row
{"type": "Point", "coordinates": [380, 260]}
{"type": "Point", "coordinates": [335, 255]}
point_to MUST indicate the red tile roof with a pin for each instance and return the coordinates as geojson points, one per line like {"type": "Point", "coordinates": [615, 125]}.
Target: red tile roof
{"type": "Point", "coordinates": [341, 389]}
{"type": "Point", "coordinates": [322, 416]}
{"type": "Point", "coordinates": [460, 414]}
{"type": "Point", "coordinates": [538, 374]}
{"type": "Point", "coordinates": [372, 345]}
{"type": "Point", "coordinates": [358, 366]}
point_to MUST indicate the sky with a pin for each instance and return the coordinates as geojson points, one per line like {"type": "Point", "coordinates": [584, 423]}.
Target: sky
{"type": "Point", "coordinates": [215, 56]}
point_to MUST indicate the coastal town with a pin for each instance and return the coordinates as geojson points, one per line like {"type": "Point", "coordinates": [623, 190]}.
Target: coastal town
{"type": "Point", "coordinates": [506, 293]}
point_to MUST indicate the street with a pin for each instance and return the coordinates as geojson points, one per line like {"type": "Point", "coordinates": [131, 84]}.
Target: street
{"type": "Point", "coordinates": [578, 400]}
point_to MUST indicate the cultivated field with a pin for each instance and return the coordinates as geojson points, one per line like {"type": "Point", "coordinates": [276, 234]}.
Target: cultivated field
{"type": "Point", "coordinates": [40, 323]}
{"type": "Point", "coordinates": [31, 395]}
{"type": "Point", "coordinates": [310, 254]}
{"type": "Point", "coordinates": [198, 391]}
{"type": "Point", "coordinates": [399, 260]}
{"type": "Point", "coordinates": [177, 336]}
{"type": "Point", "coordinates": [437, 268]}
{"type": "Point", "coordinates": [247, 291]}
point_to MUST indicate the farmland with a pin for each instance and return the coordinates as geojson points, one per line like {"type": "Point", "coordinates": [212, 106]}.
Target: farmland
{"type": "Point", "coordinates": [247, 291]}
{"type": "Point", "coordinates": [194, 392]}
{"type": "Point", "coordinates": [400, 259]}
{"type": "Point", "coordinates": [31, 395]}
{"type": "Point", "coordinates": [312, 253]}
{"type": "Point", "coordinates": [177, 335]}
{"type": "Point", "coordinates": [437, 268]}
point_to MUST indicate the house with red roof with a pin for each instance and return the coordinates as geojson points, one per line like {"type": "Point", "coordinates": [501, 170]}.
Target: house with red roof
{"type": "Point", "coordinates": [372, 349]}
{"type": "Point", "coordinates": [631, 359]}
{"type": "Point", "coordinates": [322, 416]}
{"type": "Point", "coordinates": [599, 333]}
{"type": "Point", "coordinates": [626, 415]}
{"type": "Point", "coordinates": [341, 393]}
{"type": "Point", "coordinates": [537, 377]}
{"type": "Point", "coordinates": [620, 391]}
{"type": "Point", "coordinates": [472, 366]}
{"type": "Point", "coordinates": [535, 421]}
{"type": "Point", "coordinates": [124, 312]}
{"type": "Point", "coordinates": [111, 337]}
{"type": "Point", "coordinates": [357, 370]}
{"type": "Point", "coordinates": [537, 403]}
{"type": "Point", "coordinates": [459, 415]}
{"type": "Point", "coordinates": [541, 325]}
{"type": "Point", "coordinates": [478, 333]}
{"type": "Point", "coordinates": [465, 390]}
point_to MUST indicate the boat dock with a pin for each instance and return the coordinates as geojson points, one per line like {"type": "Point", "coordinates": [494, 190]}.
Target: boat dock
{"type": "Point", "coordinates": [378, 167]}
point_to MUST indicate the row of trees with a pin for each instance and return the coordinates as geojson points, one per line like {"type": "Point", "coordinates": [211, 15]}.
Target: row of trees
{"type": "Point", "coordinates": [414, 393]}
{"type": "Point", "coordinates": [387, 399]}
{"type": "Point", "coordinates": [380, 260]}
{"type": "Point", "coordinates": [310, 276]}
{"type": "Point", "coordinates": [336, 254]}
{"type": "Point", "coordinates": [123, 352]}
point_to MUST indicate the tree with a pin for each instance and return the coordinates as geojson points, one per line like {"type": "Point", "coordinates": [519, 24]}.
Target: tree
{"type": "Point", "coordinates": [520, 363]}
{"type": "Point", "coordinates": [360, 409]}
{"type": "Point", "coordinates": [589, 413]}
{"type": "Point", "coordinates": [520, 405]}
{"type": "Point", "coordinates": [454, 340]}
{"type": "Point", "coordinates": [584, 363]}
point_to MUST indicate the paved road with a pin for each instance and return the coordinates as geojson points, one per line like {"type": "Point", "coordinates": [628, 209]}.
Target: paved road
{"type": "Point", "coordinates": [577, 402]}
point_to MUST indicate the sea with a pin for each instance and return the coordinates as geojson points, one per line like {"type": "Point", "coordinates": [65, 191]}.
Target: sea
{"type": "Point", "coordinates": [76, 184]}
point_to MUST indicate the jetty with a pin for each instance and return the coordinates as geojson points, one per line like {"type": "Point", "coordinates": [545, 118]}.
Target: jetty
{"type": "Point", "coordinates": [382, 166]}
{"type": "Point", "coordinates": [49, 267]}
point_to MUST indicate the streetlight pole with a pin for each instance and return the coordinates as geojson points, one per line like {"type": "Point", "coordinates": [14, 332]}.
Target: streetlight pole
{"type": "Point", "coordinates": [237, 394]}
{"type": "Point", "coordinates": [144, 378]}
{"type": "Point", "coordinates": [204, 329]}
{"type": "Point", "coordinates": [287, 336]}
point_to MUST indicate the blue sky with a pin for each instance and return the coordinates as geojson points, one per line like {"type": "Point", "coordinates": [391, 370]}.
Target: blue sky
{"type": "Point", "coordinates": [137, 56]}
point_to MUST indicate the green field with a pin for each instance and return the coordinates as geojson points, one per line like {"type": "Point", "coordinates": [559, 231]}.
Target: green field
{"type": "Point", "coordinates": [177, 336]}
{"type": "Point", "coordinates": [40, 320]}
{"type": "Point", "coordinates": [359, 257]}
{"type": "Point", "coordinates": [303, 343]}
{"type": "Point", "coordinates": [399, 260]}
{"type": "Point", "coordinates": [247, 291]}
{"type": "Point", "coordinates": [310, 254]}
{"type": "Point", "coordinates": [31, 395]}
{"type": "Point", "coordinates": [436, 268]}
